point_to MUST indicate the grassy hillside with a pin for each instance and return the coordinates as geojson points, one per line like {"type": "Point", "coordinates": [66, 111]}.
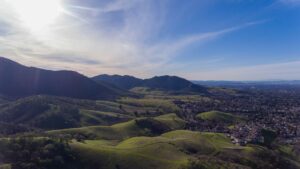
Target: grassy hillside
{"type": "Point", "coordinates": [93, 117]}
{"type": "Point", "coordinates": [137, 127]}
{"type": "Point", "coordinates": [123, 82]}
{"type": "Point", "coordinates": [127, 134]}
{"type": "Point", "coordinates": [179, 149]}
{"type": "Point", "coordinates": [47, 112]}
{"type": "Point", "coordinates": [158, 142]}
{"type": "Point", "coordinates": [218, 116]}
{"type": "Point", "coordinates": [171, 120]}
{"type": "Point", "coordinates": [172, 150]}
{"type": "Point", "coordinates": [163, 105]}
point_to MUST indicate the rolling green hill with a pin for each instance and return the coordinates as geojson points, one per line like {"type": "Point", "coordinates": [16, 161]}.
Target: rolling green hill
{"type": "Point", "coordinates": [47, 112]}
{"type": "Point", "coordinates": [218, 116]}
{"type": "Point", "coordinates": [94, 117]}
{"type": "Point", "coordinates": [137, 127]}
{"type": "Point", "coordinates": [163, 105]}
{"type": "Point", "coordinates": [170, 150]}
{"type": "Point", "coordinates": [174, 150]}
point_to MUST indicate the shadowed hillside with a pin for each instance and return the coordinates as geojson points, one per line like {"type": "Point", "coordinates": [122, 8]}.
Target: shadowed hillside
{"type": "Point", "coordinates": [124, 82]}
{"type": "Point", "coordinates": [48, 112]}
{"type": "Point", "coordinates": [163, 83]}
{"type": "Point", "coordinates": [18, 81]}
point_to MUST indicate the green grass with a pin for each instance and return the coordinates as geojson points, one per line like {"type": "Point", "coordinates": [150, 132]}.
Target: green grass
{"type": "Point", "coordinates": [101, 143]}
{"type": "Point", "coordinates": [141, 107]}
{"type": "Point", "coordinates": [93, 117]}
{"type": "Point", "coordinates": [167, 106]}
{"type": "Point", "coordinates": [186, 98]}
{"type": "Point", "coordinates": [147, 91]}
{"type": "Point", "coordinates": [128, 129]}
{"type": "Point", "coordinates": [219, 117]}
{"type": "Point", "coordinates": [168, 151]}
{"type": "Point", "coordinates": [172, 121]}
{"type": "Point", "coordinates": [110, 158]}
{"type": "Point", "coordinates": [114, 132]}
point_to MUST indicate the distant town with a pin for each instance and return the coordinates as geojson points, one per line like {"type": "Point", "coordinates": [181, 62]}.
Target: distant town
{"type": "Point", "coordinates": [274, 111]}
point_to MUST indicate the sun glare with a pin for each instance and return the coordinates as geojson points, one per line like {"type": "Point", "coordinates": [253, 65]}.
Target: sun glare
{"type": "Point", "coordinates": [37, 14]}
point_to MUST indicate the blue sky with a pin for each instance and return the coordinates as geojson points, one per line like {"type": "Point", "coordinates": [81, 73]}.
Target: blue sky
{"type": "Point", "coordinates": [195, 39]}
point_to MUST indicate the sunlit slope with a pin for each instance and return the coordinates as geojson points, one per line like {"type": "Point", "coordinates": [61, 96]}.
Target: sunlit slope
{"type": "Point", "coordinates": [137, 127]}
{"type": "Point", "coordinates": [50, 113]}
{"type": "Point", "coordinates": [93, 117]}
{"type": "Point", "coordinates": [218, 116]}
{"type": "Point", "coordinates": [162, 105]}
{"type": "Point", "coordinates": [171, 150]}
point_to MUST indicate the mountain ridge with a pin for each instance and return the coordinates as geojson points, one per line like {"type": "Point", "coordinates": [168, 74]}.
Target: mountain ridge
{"type": "Point", "coordinates": [126, 82]}
{"type": "Point", "coordinates": [166, 83]}
{"type": "Point", "coordinates": [17, 80]}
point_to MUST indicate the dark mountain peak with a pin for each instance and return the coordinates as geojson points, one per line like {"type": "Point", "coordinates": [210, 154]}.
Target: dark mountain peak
{"type": "Point", "coordinates": [106, 76]}
{"type": "Point", "coordinates": [170, 78]}
{"type": "Point", "coordinates": [166, 83]}
{"type": "Point", "coordinates": [167, 76]}
{"type": "Point", "coordinates": [5, 62]}
{"type": "Point", "coordinates": [5, 59]}
{"type": "Point", "coordinates": [123, 82]}
{"type": "Point", "coordinates": [17, 80]}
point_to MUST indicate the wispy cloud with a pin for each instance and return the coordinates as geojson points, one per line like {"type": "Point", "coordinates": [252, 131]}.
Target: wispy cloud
{"type": "Point", "coordinates": [115, 37]}
{"type": "Point", "coordinates": [167, 50]}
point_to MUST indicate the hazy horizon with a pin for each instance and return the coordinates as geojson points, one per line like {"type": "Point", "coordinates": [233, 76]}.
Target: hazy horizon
{"type": "Point", "coordinates": [195, 80]}
{"type": "Point", "coordinates": [229, 40]}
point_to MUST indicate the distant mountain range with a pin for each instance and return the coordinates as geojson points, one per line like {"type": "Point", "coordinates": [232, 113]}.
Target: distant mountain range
{"type": "Point", "coordinates": [123, 82]}
{"type": "Point", "coordinates": [17, 80]}
{"type": "Point", "coordinates": [164, 83]}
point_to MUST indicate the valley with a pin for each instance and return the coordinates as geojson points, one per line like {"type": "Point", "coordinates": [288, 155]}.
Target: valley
{"type": "Point", "coordinates": [163, 122]}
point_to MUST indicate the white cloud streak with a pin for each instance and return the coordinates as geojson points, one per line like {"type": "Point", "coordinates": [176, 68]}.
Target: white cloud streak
{"type": "Point", "coordinates": [85, 40]}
